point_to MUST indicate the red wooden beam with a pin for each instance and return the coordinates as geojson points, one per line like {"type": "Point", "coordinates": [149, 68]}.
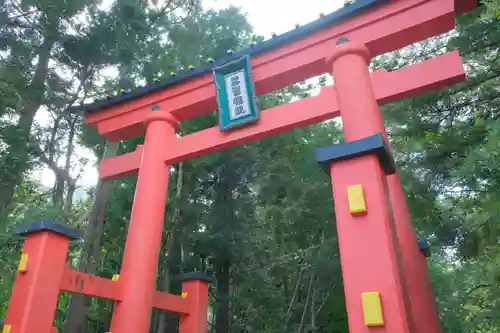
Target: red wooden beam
{"type": "Point", "coordinates": [94, 286]}
{"type": "Point", "coordinates": [89, 285]}
{"type": "Point", "coordinates": [428, 75]}
{"type": "Point", "coordinates": [383, 29]}
{"type": "Point", "coordinates": [121, 166]}
{"type": "Point", "coordinates": [169, 302]}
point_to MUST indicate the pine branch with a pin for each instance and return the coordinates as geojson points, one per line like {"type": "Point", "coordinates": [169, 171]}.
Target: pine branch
{"type": "Point", "coordinates": [325, 300]}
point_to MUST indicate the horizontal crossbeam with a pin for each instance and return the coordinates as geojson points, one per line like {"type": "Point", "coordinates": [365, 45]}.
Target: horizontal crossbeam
{"type": "Point", "coordinates": [169, 302]}
{"type": "Point", "coordinates": [89, 285]}
{"type": "Point", "coordinates": [422, 77]}
{"type": "Point", "coordinates": [95, 286]}
{"type": "Point", "coordinates": [383, 29]}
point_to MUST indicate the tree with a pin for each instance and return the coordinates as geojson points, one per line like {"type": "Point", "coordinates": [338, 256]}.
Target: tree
{"type": "Point", "coordinates": [492, 8]}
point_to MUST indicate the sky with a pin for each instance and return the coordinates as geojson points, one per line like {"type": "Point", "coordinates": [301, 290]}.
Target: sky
{"type": "Point", "coordinates": [279, 16]}
{"type": "Point", "coordinates": [266, 17]}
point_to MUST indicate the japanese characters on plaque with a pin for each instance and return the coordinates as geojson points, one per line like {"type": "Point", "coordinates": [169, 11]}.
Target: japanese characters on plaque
{"type": "Point", "coordinates": [238, 103]}
{"type": "Point", "coordinates": [235, 94]}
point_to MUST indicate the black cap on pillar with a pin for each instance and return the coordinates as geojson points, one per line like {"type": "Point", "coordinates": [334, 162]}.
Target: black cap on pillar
{"type": "Point", "coordinates": [200, 276]}
{"type": "Point", "coordinates": [46, 225]}
{"type": "Point", "coordinates": [424, 247]}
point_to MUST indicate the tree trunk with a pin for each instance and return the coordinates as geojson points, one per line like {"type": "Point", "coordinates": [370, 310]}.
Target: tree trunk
{"type": "Point", "coordinates": [306, 305]}
{"type": "Point", "coordinates": [58, 191]}
{"type": "Point", "coordinates": [172, 249]}
{"type": "Point", "coordinates": [224, 211]}
{"type": "Point", "coordinates": [76, 316]}
{"type": "Point", "coordinates": [292, 301]}
{"type": "Point", "coordinates": [223, 284]}
{"type": "Point", "coordinates": [68, 203]}
{"type": "Point", "coordinates": [71, 183]}
{"type": "Point", "coordinates": [36, 91]}
{"type": "Point", "coordinates": [51, 147]}
{"type": "Point", "coordinates": [313, 310]}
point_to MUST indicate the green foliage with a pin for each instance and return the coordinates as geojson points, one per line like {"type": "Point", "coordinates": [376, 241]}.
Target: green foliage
{"type": "Point", "coordinates": [492, 9]}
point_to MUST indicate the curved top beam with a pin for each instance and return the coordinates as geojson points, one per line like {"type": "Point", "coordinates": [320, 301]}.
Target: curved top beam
{"type": "Point", "coordinates": [325, 21]}
{"type": "Point", "coordinates": [385, 27]}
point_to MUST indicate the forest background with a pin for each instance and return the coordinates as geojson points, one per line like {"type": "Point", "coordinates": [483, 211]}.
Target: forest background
{"type": "Point", "coordinates": [258, 217]}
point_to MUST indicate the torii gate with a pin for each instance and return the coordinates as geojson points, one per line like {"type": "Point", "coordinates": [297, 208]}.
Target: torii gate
{"type": "Point", "coordinates": [386, 278]}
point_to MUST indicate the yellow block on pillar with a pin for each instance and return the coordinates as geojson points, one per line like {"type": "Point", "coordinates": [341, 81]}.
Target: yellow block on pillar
{"type": "Point", "coordinates": [356, 198]}
{"type": "Point", "coordinates": [372, 309]}
{"type": "Point", "coordinates": [23, 263]}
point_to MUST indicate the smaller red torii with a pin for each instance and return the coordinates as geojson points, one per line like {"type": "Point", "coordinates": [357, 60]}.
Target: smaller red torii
{"type": "Point", "coordinates": [43, 273]}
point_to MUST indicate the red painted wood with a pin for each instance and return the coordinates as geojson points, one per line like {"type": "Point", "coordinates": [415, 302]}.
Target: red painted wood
{"type": "Point", "coordinates": [386, 28]}
{"type": "Point", "coordinates": [121, 166]}
{"type": "Point", "coordinates": [421, 293]}
{"type": "Point", "coordinates": [35, 294]}
{"type": "Point", "coordinates": [89, 285]}
{"type": "Point", "coordinates": [367, 245]}
{"type": "Point", "coordinates": [197, 296]}
{"type": "Point", "coordinates": [429, 75]}
{"type": "Point", "coordinates": [350, 71]}
{"type": "Point", "coordinates": [169, 302]}
{"type": "Point", "coordinates": [94, 286]}
{"type": "Point", "coordinates": [140, 258]}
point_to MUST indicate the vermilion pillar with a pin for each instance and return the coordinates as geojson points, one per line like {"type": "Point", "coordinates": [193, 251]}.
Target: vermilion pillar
{"type": "Point", "coordinates": [420, 291]}
{"type": "Point", "coordinates": [195, 287]}
{"type": "Point", "coordinates": [36, 289]}
{"type": "Point", "coordinates": [140, 258]}
{"type": "Point", "coordinates": [361, 117]}
{"type": "Point", "coordinates": [371, 266]}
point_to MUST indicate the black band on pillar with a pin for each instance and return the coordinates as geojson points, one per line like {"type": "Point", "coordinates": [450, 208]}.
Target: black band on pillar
{"type": "Point", "coordinates": [195, 276]}
{"type": "Point", "coordinates": [374, 144]}
{"type": "Point", "coordinates": [424, 247]}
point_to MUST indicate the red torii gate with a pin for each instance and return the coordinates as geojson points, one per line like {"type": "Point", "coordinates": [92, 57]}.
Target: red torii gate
{"type": "Point", "coordinates": [385, 276]}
